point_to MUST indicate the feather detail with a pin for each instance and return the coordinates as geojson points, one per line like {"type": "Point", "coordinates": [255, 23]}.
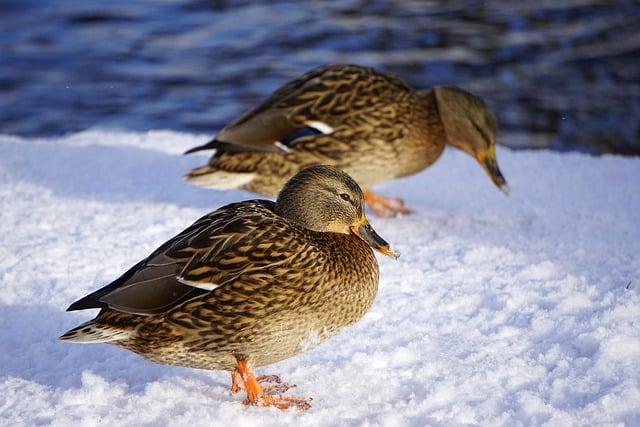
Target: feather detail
{"type": "Point", "coordinates": [91, 332]}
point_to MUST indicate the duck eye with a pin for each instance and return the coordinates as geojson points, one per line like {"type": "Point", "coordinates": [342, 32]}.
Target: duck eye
{"type": "Point", "coordinates": [345, 197]}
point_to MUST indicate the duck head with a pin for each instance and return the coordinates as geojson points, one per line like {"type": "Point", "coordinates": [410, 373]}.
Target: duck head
{"type": "Point", "coordinates": [326, 199]}
{"type": "Point", "coordinates": [470, 126]}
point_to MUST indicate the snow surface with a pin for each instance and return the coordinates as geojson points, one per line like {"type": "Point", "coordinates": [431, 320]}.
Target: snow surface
{"type": "Point", "coordinates": [501, 310]}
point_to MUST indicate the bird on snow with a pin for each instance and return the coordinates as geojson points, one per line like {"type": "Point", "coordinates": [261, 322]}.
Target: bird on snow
{"type": "Point", "coordinates": [369, 124]}
{"type": "Point", "coordinates": [248, 285]}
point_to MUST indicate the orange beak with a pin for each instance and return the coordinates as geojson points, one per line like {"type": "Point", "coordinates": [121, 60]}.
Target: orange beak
{"type": "Point", "coordinates": [364, 231]}
{"type": "Point", "coordinates": [487, 159]}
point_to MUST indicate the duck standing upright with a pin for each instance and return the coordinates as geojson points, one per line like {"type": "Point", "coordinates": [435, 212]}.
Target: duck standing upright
{"type": "Point", "coordinates": [249, 284]}
{"type": "Point", "coordinates": [373, 126]}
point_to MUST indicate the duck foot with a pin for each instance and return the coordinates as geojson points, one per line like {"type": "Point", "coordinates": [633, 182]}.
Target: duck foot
{"type": "Point", "coordinates": [267, 395]}
{"type": "Point", "coordinates": [282, 402]}
{"type": "Point", "coordinates": [271, 384]}
{"type": "Point", "coordinates": [385, 206]}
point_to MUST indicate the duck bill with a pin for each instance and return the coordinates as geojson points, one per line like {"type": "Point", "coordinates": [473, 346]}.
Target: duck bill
{"type": "Point", "coordinates": [487, 159]}
{"type": "Point", "coordinates": [364, 231]}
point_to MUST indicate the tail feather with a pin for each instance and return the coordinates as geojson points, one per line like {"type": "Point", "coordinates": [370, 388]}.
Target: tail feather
{"type": "Point", "coordinates": [210, 145]}
{"type": "Point", "coordinates": [237, 147]}
{"type": "Point", "coordinates": [210, 177]}
{"type": "Point", "coordinates": [92, 332]}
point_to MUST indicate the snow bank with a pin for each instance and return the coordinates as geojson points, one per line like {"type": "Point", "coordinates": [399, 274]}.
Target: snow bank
{"type": "Point", "coordinates": [501, 310]}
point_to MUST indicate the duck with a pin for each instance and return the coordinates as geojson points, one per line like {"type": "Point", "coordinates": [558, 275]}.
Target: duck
{"type": "Point", "coordinates": [248, 285]}
{"type": "Point", "coordinates": [370, 124]}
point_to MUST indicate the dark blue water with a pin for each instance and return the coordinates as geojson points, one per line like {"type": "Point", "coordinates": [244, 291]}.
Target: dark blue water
{"type": "Point", "coordinates": [559, 74]}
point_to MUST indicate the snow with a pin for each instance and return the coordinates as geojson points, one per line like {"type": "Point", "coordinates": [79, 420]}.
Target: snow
{"type": "Point", "coordinates": [500, 311]}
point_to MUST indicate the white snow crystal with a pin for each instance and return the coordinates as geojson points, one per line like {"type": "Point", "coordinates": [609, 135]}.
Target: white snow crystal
{"type": "Point", "coordinates": [516, 310]}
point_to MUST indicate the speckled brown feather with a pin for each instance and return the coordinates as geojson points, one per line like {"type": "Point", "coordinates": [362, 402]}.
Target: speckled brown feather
{"type": "Point", "coordinates": [281, 289]}
{"type": "Point", "coordinates": [382, 129]}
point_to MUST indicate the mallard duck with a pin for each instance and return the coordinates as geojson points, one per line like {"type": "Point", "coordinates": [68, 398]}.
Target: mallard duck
{"type": "Point", "coordinates": [373, 126]}
{"type": "Point", "coordinates": [247, 285]}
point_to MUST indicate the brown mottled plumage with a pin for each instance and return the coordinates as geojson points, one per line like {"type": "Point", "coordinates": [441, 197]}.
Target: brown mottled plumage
{"type": "Point", "coordinates": [249, 284]}
{"type": "Point", "coordinates": [374, 126]}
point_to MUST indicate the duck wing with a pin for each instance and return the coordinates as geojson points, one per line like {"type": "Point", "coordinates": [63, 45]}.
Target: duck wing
{"type": "Point", "coordinates": [216, 249]}
{"type": "Point", "coordinates": [322, 99]}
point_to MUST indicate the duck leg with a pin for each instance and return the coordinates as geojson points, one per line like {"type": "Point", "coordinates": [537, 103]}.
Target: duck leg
{"type": "Point", "coordinates": [236, 381]}
{"type": "Point", "coordinates": [385, 206]}
{"type": "Point", "coordinates": [256, 395]}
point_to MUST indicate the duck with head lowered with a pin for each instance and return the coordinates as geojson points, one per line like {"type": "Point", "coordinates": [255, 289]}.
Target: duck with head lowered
{"type": "Point", "coordinates": [247, 285]}
{"type": "Point", "coordinates": [371, 125]}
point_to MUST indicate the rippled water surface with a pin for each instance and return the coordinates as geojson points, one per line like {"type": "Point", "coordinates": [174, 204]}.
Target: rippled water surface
{"type": "Point", "coordinates": [563, 74]}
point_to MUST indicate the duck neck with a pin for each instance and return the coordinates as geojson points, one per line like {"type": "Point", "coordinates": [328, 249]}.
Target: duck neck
{"type": "Point", "coordinates": [433, 128]}
{"type": "Point", "coordinates": [427, 134]}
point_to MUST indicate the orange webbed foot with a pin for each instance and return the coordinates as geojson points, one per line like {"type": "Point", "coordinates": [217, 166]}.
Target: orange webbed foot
{"type": "Point", "coordinates": [270, 384]}
{"type": "Point", "coordinates": [273, 384]}
{"type": "Point", "coordinates": [285, 402]}
{"type": "Point", "coordinates": [270, 394]}
{"type": "Point", "coordinates": [385, 206]}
